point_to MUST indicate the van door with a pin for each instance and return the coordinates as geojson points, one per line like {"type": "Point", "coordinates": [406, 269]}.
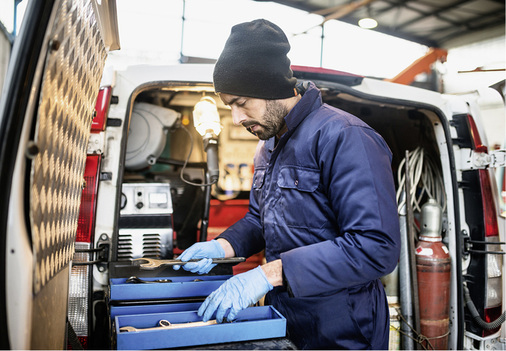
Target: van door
{"type": "Point", "coordinates": [482, 227]}
{"type": "Point", "coordinates": [45, 115]}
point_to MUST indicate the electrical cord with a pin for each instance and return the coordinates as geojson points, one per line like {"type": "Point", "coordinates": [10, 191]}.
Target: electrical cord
{"type": "Point", "coordinates": [186, 162]}
{"type": "Point", "coordinates": [476, 316]}
{"type": "Point", "coordinates": [424, 176]}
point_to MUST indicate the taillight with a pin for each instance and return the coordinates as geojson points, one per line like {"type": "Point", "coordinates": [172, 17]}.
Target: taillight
{"type": "Point", "coordinates": [493, 276]}
{"type": "Point", "coordinates": [101, 108]}
{"type": "Point", "coordinates": [80, 287]}
{"type": "Point", "coordinates": [503, 193]}
{"type": "Point", "coordinates": [79, 292]}
{"type": "Point", "coordinates": [80, 276]}
{"type": "Point", "coordinates": [475, 136]}
{"type": "Point", "coordinates": [86, 222]}
{"type": "Point", "coordinates": [493, 298]}
{"type": "Point", "coordinates": [489, 209]}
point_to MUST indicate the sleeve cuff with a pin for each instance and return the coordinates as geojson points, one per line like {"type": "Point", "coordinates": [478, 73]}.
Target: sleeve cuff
{"type": "Point", "coordinates": [286, 285]}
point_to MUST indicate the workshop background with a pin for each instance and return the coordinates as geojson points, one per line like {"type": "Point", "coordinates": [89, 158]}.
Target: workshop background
{"type": "Point", "coordinates": [469, 36]}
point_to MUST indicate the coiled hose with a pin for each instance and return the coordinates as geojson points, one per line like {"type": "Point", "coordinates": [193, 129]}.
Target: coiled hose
{"type": "Point", "coordinates": [476, 316]}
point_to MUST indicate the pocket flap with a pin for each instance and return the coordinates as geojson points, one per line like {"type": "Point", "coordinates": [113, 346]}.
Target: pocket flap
{"type": "Point", "coordinates": [303, 179]}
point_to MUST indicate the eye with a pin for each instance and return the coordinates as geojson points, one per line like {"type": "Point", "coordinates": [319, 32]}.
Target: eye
{"type": "Point", "coordinates": [241, 103]}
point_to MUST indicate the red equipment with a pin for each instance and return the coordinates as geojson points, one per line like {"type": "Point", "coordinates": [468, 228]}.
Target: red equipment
{"type": "Point", "coordinates": [433, 265]}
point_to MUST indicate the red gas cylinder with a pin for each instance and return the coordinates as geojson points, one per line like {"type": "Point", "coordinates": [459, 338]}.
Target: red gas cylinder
{"type": "Point", "coordinates": [433, 265]}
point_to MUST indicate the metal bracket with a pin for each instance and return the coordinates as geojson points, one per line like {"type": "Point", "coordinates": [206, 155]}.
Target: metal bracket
{"type": "Point", "coordinates": [468, 246]}
{"type": "Point", "coordinates": [481, 160]}
{"type": "Point", "coordinates": [101, 253]}
{"type": "Point", "coordinates": [96, 143]}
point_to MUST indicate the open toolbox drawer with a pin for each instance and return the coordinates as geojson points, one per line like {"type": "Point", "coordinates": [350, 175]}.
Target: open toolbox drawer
{"type": "Point", "coordinates": [180, 287]}
{"type": "Point", "coordinates": [157, 308]}
{"type": "Point", "coordinates": [253, 323]}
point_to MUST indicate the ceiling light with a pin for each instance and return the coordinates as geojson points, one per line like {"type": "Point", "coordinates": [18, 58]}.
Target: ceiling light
{"type": "Point", "coordinates": [368, 23]}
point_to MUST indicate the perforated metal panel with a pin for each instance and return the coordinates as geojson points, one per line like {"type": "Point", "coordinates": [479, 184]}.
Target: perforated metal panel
{"type": "Point", "coordinates": [70, 85]}
{"type": "Point", "coordinates": [137, 243]}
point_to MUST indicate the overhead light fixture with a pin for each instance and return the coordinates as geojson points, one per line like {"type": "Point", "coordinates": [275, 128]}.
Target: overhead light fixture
{"type": "Point", "coordinates": [206, 120]}
{"type": "Point", "coordinates": [367, 23]}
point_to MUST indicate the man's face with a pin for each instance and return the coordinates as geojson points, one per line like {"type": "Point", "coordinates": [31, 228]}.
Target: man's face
{"type": "Point", "coordinates": [263, 118]}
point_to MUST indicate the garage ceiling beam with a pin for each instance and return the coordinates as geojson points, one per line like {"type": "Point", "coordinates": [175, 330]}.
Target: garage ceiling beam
{"type": "Point", "coordinates": [346, 10]}
{"type": "Point", "coordinates": [429, 14]}
{"type": "Point", "coordinates": [458, 33]}
{"type": "Point", "coordinates": [392, 6]}
{"type": "Point", "coordinates": [434, 13]}
{"type": "Point", "coordinates": [444, 24]}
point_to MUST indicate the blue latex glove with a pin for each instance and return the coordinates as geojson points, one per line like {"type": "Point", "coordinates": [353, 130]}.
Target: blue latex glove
{"type": "Point", "coordinates": [206, 250]}
{"type": "Point", "coordinates": [237, 293]}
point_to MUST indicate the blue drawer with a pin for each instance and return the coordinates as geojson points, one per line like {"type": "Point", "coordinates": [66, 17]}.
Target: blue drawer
{"type": "Point", "coordinates": [159, 308]}
{"type": "Point", "coordinates": [181, 287]}
{"type": "Point", "coordinates": [253, 323]}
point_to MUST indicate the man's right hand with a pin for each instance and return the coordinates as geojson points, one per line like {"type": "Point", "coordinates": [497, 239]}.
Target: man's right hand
{"type": "Point", "coordinates": [207, 251]}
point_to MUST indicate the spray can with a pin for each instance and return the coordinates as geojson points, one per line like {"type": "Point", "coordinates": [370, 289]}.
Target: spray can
{"type": "Point", "coordinates": [433, 265]}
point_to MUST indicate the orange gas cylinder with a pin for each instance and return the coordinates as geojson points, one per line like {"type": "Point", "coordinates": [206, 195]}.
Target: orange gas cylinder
{"type": "Point", "coordinates": [433, 265]}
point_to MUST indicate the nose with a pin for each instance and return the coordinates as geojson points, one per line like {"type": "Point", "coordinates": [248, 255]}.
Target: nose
{"type": "Point", "coordinates": [238, 117]}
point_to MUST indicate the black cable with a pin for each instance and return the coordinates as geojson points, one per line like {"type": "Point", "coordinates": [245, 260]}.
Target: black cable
{"type": "Point", "coordinates": [89, 250]}
{"type": "Point", "coordinates": [87, 263]}
{"type": "Point", "coordinates": [178, 163]}
{"type": "Point", "coordinates": [476, 316]}
{"type": "Point", "coordinates": [186, 163]}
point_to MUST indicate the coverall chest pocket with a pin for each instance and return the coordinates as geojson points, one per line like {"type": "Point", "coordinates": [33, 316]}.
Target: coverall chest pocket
{"type": "Point", "coordinates": [258, 178]}
{"type": "Point", "coordinates": [299, 200]}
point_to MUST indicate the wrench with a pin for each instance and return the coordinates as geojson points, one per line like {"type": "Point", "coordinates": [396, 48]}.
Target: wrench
{"type": "Point", "coordinates": [165, 324]}
{"type": "Point", "coordinates": [136, 280]}
{"type": "Point", "coordinates": [153, 263]}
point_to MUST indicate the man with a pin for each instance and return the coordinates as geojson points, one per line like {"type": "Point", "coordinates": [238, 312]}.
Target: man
{"type": "Point", "coordinates": [322, 204]}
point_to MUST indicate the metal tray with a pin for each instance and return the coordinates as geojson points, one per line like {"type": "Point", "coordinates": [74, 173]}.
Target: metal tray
{"type": "Point", "coordinates": [180, 287]}
{"type": "Point", "coordinates": [158, 308]}
{"type": "Point", "coordinates": [253, 323]}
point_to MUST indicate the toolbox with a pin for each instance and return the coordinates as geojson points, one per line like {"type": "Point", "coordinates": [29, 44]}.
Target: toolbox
{"type": "Point", "coordinates": [176, 299]}
{"type": "Point", "coordinates": [253, 323]}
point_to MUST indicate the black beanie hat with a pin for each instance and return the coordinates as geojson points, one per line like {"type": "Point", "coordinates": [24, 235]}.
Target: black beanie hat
{"type": "Point", "coordinates": [254, 63]}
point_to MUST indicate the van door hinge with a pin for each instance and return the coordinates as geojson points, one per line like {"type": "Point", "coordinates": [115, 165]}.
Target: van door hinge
{"type": "Point", "coordinates": [481, 160]}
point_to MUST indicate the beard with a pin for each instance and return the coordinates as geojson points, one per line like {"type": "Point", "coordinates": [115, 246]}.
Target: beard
{"type": "Point", "coordinates": [273, 120]}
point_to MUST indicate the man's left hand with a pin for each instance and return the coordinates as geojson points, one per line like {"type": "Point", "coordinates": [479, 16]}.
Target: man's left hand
{"type": "Point", "coordinates": [236, 294]}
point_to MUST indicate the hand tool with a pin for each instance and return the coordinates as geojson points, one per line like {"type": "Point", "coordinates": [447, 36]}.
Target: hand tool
{"type": "Point", "coordinates": [153, 263]}
{"type": "Point", "coordinates": [136, 280]}
{"type": "Point", "coordinates": [165, 324]}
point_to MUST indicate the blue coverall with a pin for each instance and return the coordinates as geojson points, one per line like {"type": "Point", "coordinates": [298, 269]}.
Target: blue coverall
{"type": "Point", "coordinates": [323, 200]}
